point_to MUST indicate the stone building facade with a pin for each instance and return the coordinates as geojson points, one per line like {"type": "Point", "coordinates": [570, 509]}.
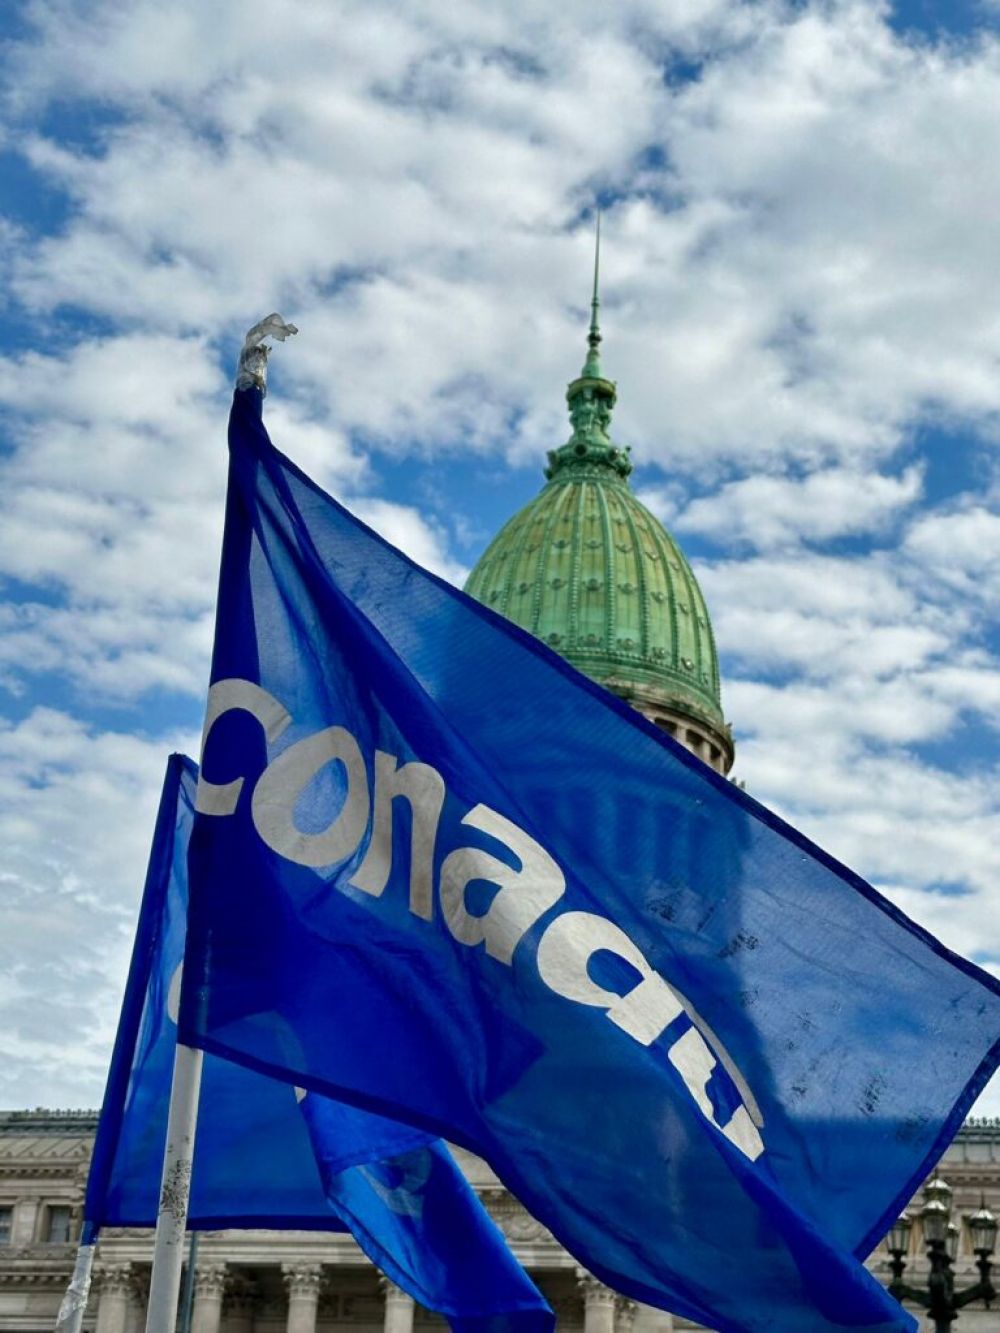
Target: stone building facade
{"type": "Point", "coordinates": [313, 1282]}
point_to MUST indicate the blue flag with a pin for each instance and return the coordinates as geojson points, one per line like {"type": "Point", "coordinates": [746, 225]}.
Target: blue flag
{"type": "Point", "coordinates": [438, 873]}
{"type": "Point", "coordinates": [417, 1217]}
{"type": "Point", "coordinates": [260, 1161]}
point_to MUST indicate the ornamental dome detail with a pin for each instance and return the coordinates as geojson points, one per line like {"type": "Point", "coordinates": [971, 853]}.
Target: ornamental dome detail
{"type": "Point", "coordinates": [587, 569]}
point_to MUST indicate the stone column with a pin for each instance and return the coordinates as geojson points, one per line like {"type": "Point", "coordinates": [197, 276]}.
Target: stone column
{"type": "Point", "coordinates": [209, 1286]}
{"type": "Point", "coordinates": [115, 1287]}
{"type": "Point", "coordinates": [398, 1308]}
{"type": "Point", "coordinates": [302, 1281]}
{"type": "Point", "coordinates": [598, 1304]}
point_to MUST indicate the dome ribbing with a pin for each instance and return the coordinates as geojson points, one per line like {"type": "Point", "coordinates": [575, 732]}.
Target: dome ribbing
{"type": "Point", "coordinates": [587, 568]}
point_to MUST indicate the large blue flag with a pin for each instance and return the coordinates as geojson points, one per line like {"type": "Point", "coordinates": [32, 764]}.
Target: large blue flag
{"type": "Point", "coordinates": [438, 873]}
{"type": "Point", "coordinates": [260, 1161]}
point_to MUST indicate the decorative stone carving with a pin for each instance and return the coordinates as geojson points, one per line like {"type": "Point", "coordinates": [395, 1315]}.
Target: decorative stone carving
{"type": "Point", "coordinates": [47, 1250]}
{"type": "Point", "coordinates": [625, 1313]}
{"type": "Point", "coordinates": [391, 1291]}
{"type": "Point", "coordinates": [115, 1280]}
{"type": "Point", "coordinates": [302, 1280]}
{"type": "Point", "coordinates": [209, 1286]}
{"type": "Point", "coordinates": [598, 1303]}
{"type": "Point", "coordinates": [513, 1218]}
{"type": "Point", "coordinates": [54, 1278]}
{"type": "Point", "coordinates": [520, 1225]}
{"type": "Point", "coordinates": [594, 1292]}
{"type": "Point", "coordinates": [116, 1285]}
{"type": "Point", "coordinates": [210, 1281]}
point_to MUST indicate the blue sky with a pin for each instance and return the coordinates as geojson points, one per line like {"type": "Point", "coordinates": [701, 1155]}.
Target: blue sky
{"type": "Point", "coordinates": [800, 304]}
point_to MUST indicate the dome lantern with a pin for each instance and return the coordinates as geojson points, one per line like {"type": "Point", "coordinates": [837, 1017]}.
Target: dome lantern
{"type": "Point", "coordinates": [591, 399]}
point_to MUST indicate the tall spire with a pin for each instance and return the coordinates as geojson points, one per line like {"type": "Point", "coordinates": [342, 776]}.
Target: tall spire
{"type": "Point", "coordinates": [591, 398]}
{"type": "Point", "coordinates": [592, 366]}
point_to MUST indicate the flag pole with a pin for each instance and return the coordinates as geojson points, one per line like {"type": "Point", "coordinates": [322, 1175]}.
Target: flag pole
{"type": "Point", "coordinates": [74, 1303]}
{"type": "Point", "coordinates": [171, 1217]}
{"type": "Point", "coordinates": [187, 1300]}
{"type": "Point", "coordinates": [182, 1118]}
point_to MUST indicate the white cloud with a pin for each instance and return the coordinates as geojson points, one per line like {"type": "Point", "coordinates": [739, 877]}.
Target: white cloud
{"type": "Point", "coordinates": [767, 512]}
{"type": "Point", "coordinates": [960, 549]}
{"type": "Point", "coordinates": [419, 537]}
{"type": "Point", "coordinates": [76, 808]}
{"type": "Point", "coordinates": [847, 618]}
{"type": "Point", "coordinates": [895, 819]}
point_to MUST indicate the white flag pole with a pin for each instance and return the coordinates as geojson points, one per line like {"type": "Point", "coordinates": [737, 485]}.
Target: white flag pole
{"type": "Point", "coordinates": [171, 1218]}
{"type": "Point", "coordinates": [74, 1303]}
{"type": "Point", "coordinates": [182, 1120]}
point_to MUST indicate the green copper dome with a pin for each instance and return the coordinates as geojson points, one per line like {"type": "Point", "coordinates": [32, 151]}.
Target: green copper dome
{"type": "Point", "coordinates": [587, 568]}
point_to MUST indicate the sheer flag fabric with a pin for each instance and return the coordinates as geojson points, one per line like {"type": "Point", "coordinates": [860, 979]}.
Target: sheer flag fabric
{"type": "Point", "coordinates": [267, 1156]}
{"type": "Point", "coordinates": [469, 889]}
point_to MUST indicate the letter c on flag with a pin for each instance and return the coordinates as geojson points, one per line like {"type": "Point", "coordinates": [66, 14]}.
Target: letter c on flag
{"type": "Point", "coordinates": [219, 798]}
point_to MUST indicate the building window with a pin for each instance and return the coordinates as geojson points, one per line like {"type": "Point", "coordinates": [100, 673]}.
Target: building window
{"type": "Point", "coordinates": [58, 1226]}
{"type": "Point", "coordinates": [6, 1221]}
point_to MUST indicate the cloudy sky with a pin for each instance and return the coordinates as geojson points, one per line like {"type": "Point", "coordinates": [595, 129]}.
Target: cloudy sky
{"type": "Point", "coordinates": [801, 309]}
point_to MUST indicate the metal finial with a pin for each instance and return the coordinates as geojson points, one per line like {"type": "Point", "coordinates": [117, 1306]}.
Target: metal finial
{"type": "Point", "coordinates": [251, 371]}
{"type": "Point", "coordinates": [594, 337]}
{"type": "Point", "coordinates": [592, 367]}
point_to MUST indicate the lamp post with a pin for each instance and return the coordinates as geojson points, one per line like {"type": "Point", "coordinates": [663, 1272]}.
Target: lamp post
{"type": "Point", "coordinates": [939, 1297]}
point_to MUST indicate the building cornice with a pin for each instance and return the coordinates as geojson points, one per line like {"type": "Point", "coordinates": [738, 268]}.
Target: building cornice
{"type": "Point", "coordinates": [44, 1121]}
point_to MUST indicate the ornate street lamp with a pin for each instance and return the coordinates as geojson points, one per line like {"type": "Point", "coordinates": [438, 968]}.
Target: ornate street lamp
{"type": "Point", "coordinates": [951, 1241]}
{"type": "Point", "coordinates": [983, 1229]}
{"type": "Point", "coordinates": [941, 1236]}
{"type": "Point", "coordinates": [898, 1238]}
{"type": "Point", "coordinates": [935, 1215]}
